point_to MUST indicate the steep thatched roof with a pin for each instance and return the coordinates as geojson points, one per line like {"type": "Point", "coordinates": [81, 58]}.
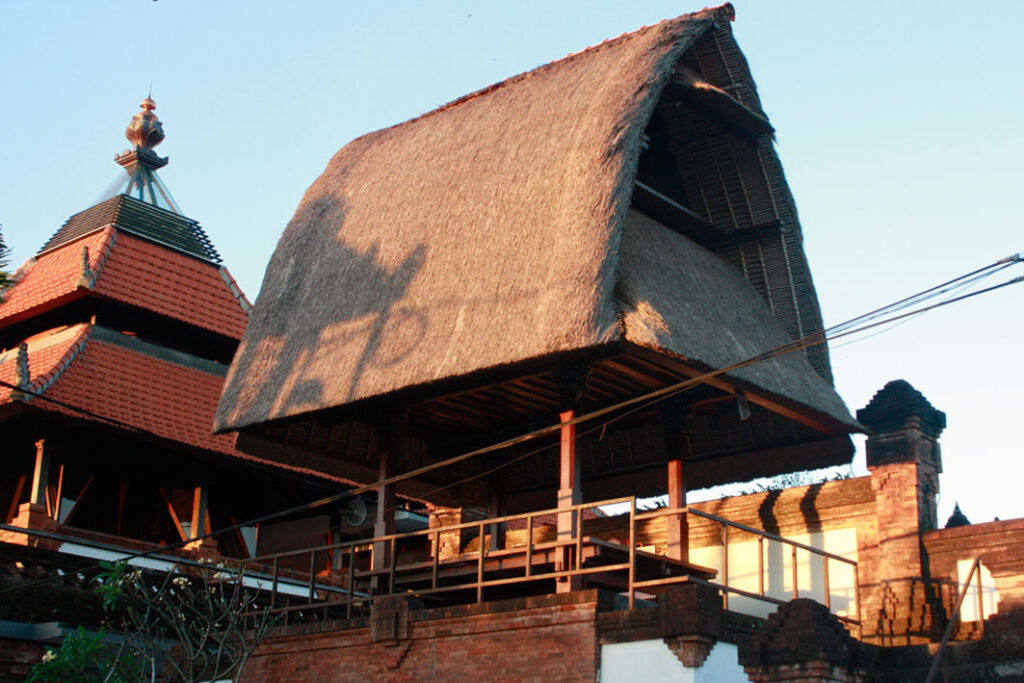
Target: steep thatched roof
{"type": "Point", "coordinates": [491, 232]}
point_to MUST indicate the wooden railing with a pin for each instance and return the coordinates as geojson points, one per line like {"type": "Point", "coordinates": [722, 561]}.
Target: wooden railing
{"type": "Point", "coordinates": [341, 580]}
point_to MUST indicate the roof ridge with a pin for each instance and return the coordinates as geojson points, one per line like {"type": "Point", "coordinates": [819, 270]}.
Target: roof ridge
{"type": "Point", "coordinates": [706, 13]}
{"type": "Point", "coordinates": [92, 273]}
{"type": "Point", "coordinates": [236, 291]}
{"type": "Point", "coordinates": [42, 382]}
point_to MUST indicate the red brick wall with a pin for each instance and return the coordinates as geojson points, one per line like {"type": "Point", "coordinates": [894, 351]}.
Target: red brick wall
{"type": "Point", "coordinates": [1001, 547]}
{"type": "Point", "coordinates": [17, 657]}
{"type": "Point", "coordinates": [552, 638]}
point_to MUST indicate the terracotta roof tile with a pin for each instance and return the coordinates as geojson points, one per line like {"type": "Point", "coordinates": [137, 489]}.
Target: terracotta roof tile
{"type": "Point", "coordinates": [114, 381]}
{"type": "Point", "coordinates": [172, 284]}
{"type": "Point", "coordinates": [54, 276]}
{"type": "Point", "coordinates": [136, 272]}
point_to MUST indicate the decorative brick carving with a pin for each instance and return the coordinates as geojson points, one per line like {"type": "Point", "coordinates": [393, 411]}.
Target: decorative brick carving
{"type": "Point", "coordinates": [897, 406]}
{"type": "Point", "coordinates": [691, 650]}
{"type": "Point", "coordinates": [802, 641]}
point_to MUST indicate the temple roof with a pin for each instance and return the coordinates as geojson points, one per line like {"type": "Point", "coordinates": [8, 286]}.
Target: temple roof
{"type": "Point", "coordinates": [168, 394]}
{"type": "Point", "coordinates": [141, 218]}
{"type": "Point", "coordinates": [113, 263]}
{"type": "Point", "coordinates": [495, 231]}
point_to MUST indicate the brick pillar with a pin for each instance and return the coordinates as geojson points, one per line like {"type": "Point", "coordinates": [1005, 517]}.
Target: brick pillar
{"type": "Point", "coordinates": [33, 514]}
{"type": "Point", "coordinates": [899, 604]}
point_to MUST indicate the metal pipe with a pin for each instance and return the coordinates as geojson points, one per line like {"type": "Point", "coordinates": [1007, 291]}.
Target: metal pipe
{"type": "Point", "coordinates": [725, 563]}
{"type": "Point", "coordinates": [954, 618]}
{"type": "Point", "coordinates": [796, 576]}
{"type": "Point", "coordinates": [632, 551]}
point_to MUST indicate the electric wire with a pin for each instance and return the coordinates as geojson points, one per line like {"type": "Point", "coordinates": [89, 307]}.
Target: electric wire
{"type": "Point", "coordinates": [643, 401]}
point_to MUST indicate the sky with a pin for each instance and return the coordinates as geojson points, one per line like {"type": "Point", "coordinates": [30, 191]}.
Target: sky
{"type": "Point", "coordinates": [898, 125]}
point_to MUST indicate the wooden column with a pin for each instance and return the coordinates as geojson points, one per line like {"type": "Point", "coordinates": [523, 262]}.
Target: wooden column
{"type": "Point", "coordinates": [673, 415]}
{"type": "Point", "coordinates": [40, 475]}
{"type": "Point", "coordinates": [571, 382]}
{"type": "Point", "coordinates": [498, 509]}
{"type": "Point", "coordinates": [384, 521]}
{"type": "Point", "coordinates": [569, 491]}
{"type": "Point", "coordinates": [200, 497]}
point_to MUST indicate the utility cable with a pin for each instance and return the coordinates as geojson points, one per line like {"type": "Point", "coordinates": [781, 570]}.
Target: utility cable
{"type": "Point", "coordinates": [647, 399]}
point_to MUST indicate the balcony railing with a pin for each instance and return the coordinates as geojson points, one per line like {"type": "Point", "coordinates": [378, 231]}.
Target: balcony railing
{"type": "Point", "coordinates": [341, 580]}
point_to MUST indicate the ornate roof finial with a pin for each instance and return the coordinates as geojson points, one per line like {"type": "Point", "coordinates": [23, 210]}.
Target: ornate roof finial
{"type": "Point", "coordinates": [145, 131]}
{"type": "Point", "coordinates": [140, 161]}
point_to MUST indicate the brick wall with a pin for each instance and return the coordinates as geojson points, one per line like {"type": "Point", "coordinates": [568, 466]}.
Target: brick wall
{"type": "Point", "coordinates": [551, 638]}
{"type": "Point", "coordinates": [1000, 546]}
{"type": "Point", "coordinates": [16, 657]}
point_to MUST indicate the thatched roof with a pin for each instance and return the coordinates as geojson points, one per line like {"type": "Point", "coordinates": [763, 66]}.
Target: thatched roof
{"type": "Point", "coordinates": [493, 231]}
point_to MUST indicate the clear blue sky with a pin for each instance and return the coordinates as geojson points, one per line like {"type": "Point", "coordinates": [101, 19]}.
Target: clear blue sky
{"type": "Point", "coordinates": [898, 124]}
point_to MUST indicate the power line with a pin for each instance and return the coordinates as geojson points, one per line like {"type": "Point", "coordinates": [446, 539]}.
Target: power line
{"type": "Point", "coordinates": [644, 400]}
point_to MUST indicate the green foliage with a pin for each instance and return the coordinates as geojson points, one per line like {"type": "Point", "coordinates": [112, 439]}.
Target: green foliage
{"type": "Point", "coordinates": [84, 657]}
{"type": "Point", "coordinates": [5, 257]}
{"type": "Point", "coordinates": [794, 479]}
{"type": "Point", "coordinates": [111, 583]}
{"type": "Point", "coordinates": [201, 624]}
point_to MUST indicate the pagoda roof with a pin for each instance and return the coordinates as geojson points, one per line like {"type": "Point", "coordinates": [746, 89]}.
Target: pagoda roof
{"type": "Point", "coordinates": [92, 373]}
{"type": "Point", "coordinates": [113, 262]}
{"type": "Point", "coordinates": [142, 218]}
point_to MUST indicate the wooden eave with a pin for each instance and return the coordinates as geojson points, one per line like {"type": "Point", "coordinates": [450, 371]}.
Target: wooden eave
{"type": "Point", "coordinates": [447, 420]}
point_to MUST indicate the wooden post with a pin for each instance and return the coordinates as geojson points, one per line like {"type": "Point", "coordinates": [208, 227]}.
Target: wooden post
{"type": "Point", "coordinates": [40, 475]}
{"type": "Point", "coordinates": [498, 510]}
{"type": "Point", "coordinates": [677, 449]}
{"type": "Point", "coordinates": [199, 503]}
{"type": "Point", "coordinates": [569, 494]}
{"type": "Point", "coordinates": [571, 383]}
{"type": "Point", "coordinates": [569, 491]}
{"type": "Point", "coordinates": [384, 523]}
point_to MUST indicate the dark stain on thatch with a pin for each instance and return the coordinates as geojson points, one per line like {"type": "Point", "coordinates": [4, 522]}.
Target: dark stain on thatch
{"type": "Point", "coordinates": [488, 233]}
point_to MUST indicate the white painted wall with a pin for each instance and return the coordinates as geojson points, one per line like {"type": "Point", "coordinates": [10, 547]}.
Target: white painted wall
{"type": "Point", "coordinates": [989, 594]}
{"type": "Point", "coordinates": [777, 570]}
{"type": "Point", "coordinates": [652, 660]}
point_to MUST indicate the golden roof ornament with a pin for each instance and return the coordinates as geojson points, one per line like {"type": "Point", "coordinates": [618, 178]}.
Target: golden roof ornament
{"type": "Point", "coordinates": [145, 130]}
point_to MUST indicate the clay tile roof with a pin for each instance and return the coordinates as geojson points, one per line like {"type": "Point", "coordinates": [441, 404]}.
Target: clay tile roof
{"type": "Point", "coordinates": [133, 271]}
{"type": "Point", "coordinates": [150, 276]}
{"type": "Point", "coordinates": [500, 241]}
{"type": "Point", "coordinates": [55, 277]}
{"type": "Point", "coordinates": [115, 376]}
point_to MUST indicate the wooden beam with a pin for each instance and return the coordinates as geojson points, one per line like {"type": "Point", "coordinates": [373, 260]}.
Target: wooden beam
{"type": "Point", "coordinates": [78, 500]}
{"type": "Point", "coordinates": [16, 501]}
{"type": "Point", "coordinates": [200, 502]}
{"type": "Point", "coordinates": [753, 395]}
{"type": "Point", "coordinates": [691, 87]}
{"type": "Point", "coordinates": [57, 494]}
{"type": "Point", "coordinates": [174, 515]}
{"type": "Point", "coordinates": [276, 450]}
{"type": "Point", "coordinates": [40, 475]}
{"type": "Point", "coordinates": [675, 216]}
